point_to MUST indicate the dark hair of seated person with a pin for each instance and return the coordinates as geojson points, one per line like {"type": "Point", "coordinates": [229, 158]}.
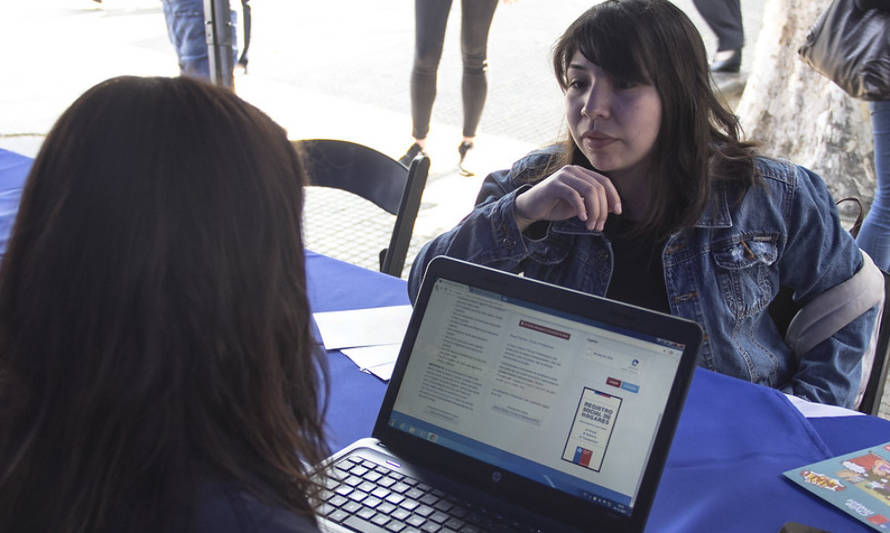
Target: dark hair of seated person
{"type": "Point", "coordinates": [154, 323]}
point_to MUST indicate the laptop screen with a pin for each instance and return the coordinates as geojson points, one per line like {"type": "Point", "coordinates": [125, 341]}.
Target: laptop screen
{"type": "Point", "coordinates": [557, 398]}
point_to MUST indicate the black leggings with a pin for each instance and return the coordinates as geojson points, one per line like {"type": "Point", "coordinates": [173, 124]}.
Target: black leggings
{"type": "Point", "coordinates": [725, 19]}
{"type": "Point", "coordinates": [431, 17]}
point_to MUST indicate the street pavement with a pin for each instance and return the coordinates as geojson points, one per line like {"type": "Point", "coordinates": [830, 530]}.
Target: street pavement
{"type": "Point", "coordinates": [336, 69]}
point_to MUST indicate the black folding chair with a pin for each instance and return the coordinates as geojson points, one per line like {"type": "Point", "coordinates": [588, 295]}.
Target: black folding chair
{"type": "Point", "coordinates": [375, 177]}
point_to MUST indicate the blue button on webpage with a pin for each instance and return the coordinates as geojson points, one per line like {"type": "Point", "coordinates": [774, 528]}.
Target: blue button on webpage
{"type": "Point", "coordinates": [630, 386]}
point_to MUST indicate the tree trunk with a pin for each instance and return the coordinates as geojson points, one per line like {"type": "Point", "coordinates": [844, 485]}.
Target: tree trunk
{"type": "Point", "coordinates": [795, 113]}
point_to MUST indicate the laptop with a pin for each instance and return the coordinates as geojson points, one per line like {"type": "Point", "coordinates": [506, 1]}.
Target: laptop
{"type": "Point", "coordinates": [516, 405]}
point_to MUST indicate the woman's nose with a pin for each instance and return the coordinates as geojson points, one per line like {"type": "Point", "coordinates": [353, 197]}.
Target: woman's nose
{"type": "Point", "coordinates": [598, 101]}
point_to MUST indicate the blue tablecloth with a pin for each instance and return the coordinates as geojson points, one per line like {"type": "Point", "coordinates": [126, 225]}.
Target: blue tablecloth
{"type": "Point", "coordinates": [733, 442]}
{"type": "Point", "coordinates": [13, 170]}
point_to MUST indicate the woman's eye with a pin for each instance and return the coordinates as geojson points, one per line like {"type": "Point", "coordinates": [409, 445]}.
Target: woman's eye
{"type": "Point", "coordinates": [576, 84]}
{"type": "Point", "coordinates": [625, 84]}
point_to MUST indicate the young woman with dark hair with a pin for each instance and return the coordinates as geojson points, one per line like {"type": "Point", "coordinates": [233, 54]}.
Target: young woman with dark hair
{"type": "Point", "coordinates": [653, 199]}
{"type": "Point", "coordinates": [157, 370]}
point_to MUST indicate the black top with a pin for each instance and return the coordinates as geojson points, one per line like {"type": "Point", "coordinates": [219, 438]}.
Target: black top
{"type": "Point", "coordinates": [637, 272]}
{"type": "Point", "coordinates": [229, 508]}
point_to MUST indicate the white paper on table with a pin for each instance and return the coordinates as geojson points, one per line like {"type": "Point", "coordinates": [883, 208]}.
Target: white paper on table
{"type": "Point", "coordinates": [817, 410]}
{"type": "Point", "coordinates": [371, 356]}
{"type": "Point", "coordinates": [383, 371]}
{"type": "Point", "coordinates": [377, 360]}
{"type": "Point", "coordinates": [363, 327]}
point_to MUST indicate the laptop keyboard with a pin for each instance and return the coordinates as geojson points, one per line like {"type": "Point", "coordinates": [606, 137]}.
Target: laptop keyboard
{"type": "Point", "coordinates": [365, 496]}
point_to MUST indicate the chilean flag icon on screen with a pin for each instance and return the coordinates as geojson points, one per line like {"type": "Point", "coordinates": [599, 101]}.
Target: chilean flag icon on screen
{"type": "Point", "coordinates": [582, 456]}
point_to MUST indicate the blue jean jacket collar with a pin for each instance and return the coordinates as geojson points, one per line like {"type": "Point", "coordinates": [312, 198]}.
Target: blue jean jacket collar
{"type": "Point", "coordinates": [717, 213]}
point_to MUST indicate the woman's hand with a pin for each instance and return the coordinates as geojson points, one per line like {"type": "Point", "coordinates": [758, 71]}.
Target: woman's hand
{"type": "Point", "coordinates": [571, 191]}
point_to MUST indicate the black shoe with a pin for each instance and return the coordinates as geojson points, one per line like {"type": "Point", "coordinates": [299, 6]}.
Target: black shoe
{"type": "Point", "coordinates": [462, 150]}
{"type": "Point", "coordinates": [409, 156]}
{"type": "Point", "coordinates": [731, 64]}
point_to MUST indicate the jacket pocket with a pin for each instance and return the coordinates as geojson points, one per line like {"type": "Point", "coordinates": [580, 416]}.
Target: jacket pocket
{"type": "Point", "coordinates": [743, 271]}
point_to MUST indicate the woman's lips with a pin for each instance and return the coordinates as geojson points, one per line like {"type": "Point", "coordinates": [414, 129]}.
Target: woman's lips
{"type": "Point", "coordinates": [597, 140]}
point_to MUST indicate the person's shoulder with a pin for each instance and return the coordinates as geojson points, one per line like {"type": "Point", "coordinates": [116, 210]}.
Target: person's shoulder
{"type": "Point", "coordinates": [770, 177]}
{"type": "Point", "coordinates": [230, 508]}
{"type": "Point", "coordinates": [780, 170]}
{"type": "Point", "coordinates": [536, 159]}
{"type": "Point", "coordinates": [789, 176]}
{"type": "Point", "coordinates": [532, 166]}
{"type": "Point", "coordinates": [526, 170]}
{"type": "Point", "coordinates": [775, 183]}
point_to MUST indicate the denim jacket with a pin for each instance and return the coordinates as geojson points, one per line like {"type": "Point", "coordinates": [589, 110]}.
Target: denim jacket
{"type": "Point", "coordinates": [722, 273]}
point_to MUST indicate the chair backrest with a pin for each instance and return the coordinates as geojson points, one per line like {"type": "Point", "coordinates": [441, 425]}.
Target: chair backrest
{"type": "Point", "coordinates": [874, 391]}
{"type": "Point", "coordinates": [375, 177]}
{"type": "Point", "coordinates": [782, 310]}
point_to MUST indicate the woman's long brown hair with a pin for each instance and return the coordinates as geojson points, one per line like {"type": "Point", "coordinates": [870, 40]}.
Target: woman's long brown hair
{"type": "Point", "coordinates": [154, 321]}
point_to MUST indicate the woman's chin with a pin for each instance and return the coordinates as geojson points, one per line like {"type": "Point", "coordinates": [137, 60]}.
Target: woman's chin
{"type": "Point", "coordinates": [603, 164]}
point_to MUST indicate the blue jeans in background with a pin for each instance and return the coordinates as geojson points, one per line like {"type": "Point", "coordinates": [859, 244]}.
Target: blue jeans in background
{"type": "Point", "coordinates": [185, 26]}
{"type": "Point", "coordinates": [874, 237]}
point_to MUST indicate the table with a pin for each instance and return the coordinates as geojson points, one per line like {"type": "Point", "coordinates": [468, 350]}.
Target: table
{"type": "Point", "coordinates": [733, 441]}
{"type": "Point", "coordinates": [13, 169]}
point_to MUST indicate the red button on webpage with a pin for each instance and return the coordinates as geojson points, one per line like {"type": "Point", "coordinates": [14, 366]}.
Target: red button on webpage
{"type": "Point", "coordinates": [613, 382]}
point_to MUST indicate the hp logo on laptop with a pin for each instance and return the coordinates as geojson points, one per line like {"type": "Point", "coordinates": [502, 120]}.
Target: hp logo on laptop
{"type": "Point", "coordinates": [496, 476]}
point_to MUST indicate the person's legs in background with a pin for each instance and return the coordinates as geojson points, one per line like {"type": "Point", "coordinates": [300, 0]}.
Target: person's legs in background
{"type": "Point", "coordinates": [476, 17]}
{"type": "Point", "coordinates": [874, 236]}
{"type": "Point", "coordinates": [430, 19]}
{"type": "Point", "coordinates": [724, 17]}
{"type": "Point", "coordinates": [185, 27]}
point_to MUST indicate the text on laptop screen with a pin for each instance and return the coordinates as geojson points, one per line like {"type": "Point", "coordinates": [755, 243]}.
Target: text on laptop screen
{"type": "Point", "coordinates": [559, 399]}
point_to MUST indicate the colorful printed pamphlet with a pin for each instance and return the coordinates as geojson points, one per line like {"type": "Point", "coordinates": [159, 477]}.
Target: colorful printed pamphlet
{"type": "Point", "coordinates": [857, 483]}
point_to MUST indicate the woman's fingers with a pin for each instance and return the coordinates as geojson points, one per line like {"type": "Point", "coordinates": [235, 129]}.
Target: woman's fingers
{"type": "Point", "coordinates": [571, 196]}
{"type": "Point", "coordinates": [601, 187]}
{"type": "Point", "coordinates": [600, 210]}
{"type": "Point", "coordinates": [599, 194]}
{"type": "Point", "coordinates": [550, 200]}
{"type": "Point", "coordinates": [572, 191]}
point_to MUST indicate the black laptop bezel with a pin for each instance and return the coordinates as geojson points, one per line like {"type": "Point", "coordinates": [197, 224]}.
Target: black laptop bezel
{"type": "Point", "coordinates": [516, 489]}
